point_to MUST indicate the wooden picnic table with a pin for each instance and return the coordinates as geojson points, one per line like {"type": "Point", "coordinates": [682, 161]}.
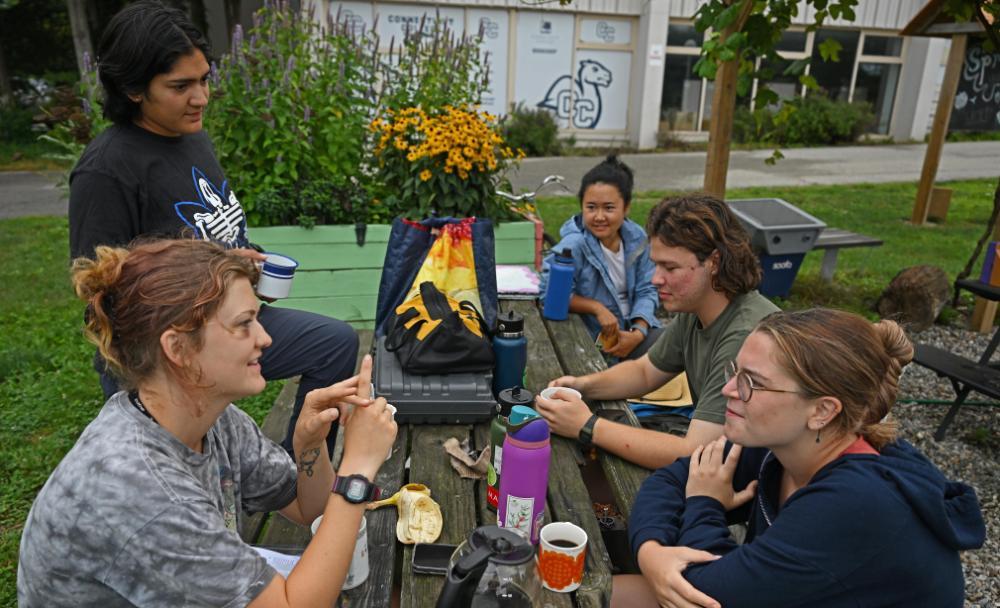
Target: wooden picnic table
{"type": "Point", "coordinates": [555, 348]}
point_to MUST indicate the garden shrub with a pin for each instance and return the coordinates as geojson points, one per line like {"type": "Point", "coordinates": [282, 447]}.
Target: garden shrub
{"type": "Point", "coordinates": [815, 120]}
{"type": "Point", "coordinates": [15, 124]}
{"type": "Point", "coordinates": [533, 130]}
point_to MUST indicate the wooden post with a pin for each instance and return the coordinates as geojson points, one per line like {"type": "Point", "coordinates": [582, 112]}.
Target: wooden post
{"type": "Point", "coordinates": [932, 158]}
{"type": "Point", "coordinates": [940, 202]}
{"type": "Point", "coordinates": [723, 107]}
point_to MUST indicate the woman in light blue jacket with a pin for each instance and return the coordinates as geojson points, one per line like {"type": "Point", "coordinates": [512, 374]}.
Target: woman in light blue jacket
{"type": "Point", "coordinates": [612, 276]}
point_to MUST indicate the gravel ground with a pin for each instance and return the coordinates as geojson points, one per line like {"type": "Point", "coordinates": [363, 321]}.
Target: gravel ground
{"type": "Point", "coordinates": [969, 453]}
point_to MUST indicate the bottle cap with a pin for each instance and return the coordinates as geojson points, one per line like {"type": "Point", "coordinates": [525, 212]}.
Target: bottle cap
{"type": "Point", "coordinates": [566, 256]}
{"type": "Point", "coordinates": [510, 323]}
{"type": "Point", "coordinates": [534, 430]}
{"type": "Point", "coordinates": [515, 396]}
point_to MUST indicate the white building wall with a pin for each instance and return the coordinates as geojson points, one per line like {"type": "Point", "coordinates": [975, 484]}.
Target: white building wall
{"type": "Point", "coordinates": [915, 99]}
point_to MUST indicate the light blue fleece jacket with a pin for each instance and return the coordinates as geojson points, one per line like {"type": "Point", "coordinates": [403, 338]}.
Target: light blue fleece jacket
{"type": "Point", "coordinates": [590, 272]}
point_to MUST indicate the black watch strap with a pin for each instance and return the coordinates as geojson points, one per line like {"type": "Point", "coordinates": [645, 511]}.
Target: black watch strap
{"type": "Point", "coordinates": [586, 436]}
{"type": "Point", "coordinates": [356, 489]}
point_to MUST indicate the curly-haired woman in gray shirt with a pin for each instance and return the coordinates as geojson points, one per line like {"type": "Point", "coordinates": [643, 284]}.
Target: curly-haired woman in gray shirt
{"type": "Point", "coordinates": [145, 508]}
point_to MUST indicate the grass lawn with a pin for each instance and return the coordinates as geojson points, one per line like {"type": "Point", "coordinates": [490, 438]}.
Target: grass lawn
{"type": "Point", "coordinates": [49, 391]}
{"type": "Point", "coordinates": [20, 156]}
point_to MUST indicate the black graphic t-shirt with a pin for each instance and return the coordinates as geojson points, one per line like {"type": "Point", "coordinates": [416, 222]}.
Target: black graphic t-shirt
{"type": "Point", "coordinates": [130, 182]}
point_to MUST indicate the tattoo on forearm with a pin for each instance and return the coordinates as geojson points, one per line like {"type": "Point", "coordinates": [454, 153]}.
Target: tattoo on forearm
{"type": "Point", "coordinates": [306, 461]}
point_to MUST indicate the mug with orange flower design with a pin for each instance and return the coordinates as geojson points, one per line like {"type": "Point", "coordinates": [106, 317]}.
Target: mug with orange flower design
{"type": "Point", "coordinates": [561, 553]}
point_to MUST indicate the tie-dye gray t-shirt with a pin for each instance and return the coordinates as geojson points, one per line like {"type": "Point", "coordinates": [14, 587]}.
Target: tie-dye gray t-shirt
{"type": "Point", "coordinates": [132, 516]}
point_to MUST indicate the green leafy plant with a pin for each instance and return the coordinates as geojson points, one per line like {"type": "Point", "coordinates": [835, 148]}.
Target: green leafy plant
{"type": "Point", "coordinates": [290, 110]}
{"type": "Point", "coordinates": [533, 130]}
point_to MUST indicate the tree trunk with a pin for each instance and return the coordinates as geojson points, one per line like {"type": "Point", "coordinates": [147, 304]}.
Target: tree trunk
{"type": "Point", "coordinates": [915, 297]}
{"type": "Point", "coordinates": [6, 91]}
{"type": "Point", "coordinates": [233, 12]}
{"type": "Point", "coordinates": [81, 31]}
{"type": "Point", "coordinates": [720, 130]}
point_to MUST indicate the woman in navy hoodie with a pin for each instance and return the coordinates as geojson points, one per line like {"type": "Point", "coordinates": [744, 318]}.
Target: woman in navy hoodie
{"type": "Point", "coordinates": [613, 275]}
{"type": "Point", "coordinates": [838, 511]}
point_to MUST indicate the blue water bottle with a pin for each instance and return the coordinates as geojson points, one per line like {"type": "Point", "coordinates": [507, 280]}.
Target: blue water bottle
{"type": "Point", "coordinates": [560, 288]}
{"type": "Point", "coordinates": [510, 350]}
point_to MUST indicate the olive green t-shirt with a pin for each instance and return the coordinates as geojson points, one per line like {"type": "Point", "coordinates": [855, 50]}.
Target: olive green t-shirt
{"type": "Point", "coordinates": [704, 353]}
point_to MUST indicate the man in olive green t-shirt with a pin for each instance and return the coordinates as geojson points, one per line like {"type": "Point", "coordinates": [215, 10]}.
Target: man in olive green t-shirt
{"type": "Point", "coordinates": [708, 274]}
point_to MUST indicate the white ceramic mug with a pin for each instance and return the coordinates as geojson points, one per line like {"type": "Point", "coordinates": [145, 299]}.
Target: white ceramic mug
{"type": "Point", "coordinates": [276, 276]}
{"type": "Point", "coordinates": [357, 571]}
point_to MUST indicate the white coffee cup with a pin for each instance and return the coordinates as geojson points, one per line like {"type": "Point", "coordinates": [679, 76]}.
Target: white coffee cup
{"type": "Point", "coordinates": [276, 276]}
{"type": "Point", "coordinates": [357, 571]}
{"type": "Point", "coordinates": [550, 392]}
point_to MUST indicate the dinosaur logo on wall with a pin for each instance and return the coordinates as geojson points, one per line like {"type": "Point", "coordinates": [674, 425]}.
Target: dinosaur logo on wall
{"type": "Point", "coordinates": [579, 99]}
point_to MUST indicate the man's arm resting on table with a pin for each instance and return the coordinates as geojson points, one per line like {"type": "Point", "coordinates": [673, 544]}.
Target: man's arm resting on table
{"type": "Point", "coordinates": [626, 379]}
{"type": "Point", "coordinates": [648, 448]}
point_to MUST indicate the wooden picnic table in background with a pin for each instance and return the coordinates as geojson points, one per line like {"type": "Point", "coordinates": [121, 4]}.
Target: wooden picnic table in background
{"type": "Point", "coordinates": [555, 348]}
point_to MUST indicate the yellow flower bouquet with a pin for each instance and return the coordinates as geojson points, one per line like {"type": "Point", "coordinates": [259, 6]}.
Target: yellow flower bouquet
{"type": "Point", "coordinates": [445, 162]}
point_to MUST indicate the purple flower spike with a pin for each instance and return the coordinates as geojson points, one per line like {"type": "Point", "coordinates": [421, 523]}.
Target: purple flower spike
{"type": "Point", "coordinates": [87, 109]}
{"type": "Point", "coordinates": [87, 65]}
{"type": "Point", "coordinates": [308, 113]}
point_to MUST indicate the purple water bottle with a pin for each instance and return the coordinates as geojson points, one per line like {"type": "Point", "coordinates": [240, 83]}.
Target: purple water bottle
{"type": "Point", "coordinates": [525, 479]}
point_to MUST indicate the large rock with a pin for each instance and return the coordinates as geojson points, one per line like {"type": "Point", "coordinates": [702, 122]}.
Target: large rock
{"type": "Point", "coordinates": [915, 297]}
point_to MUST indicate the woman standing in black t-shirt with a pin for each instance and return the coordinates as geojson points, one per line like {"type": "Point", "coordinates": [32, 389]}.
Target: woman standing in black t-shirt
{"type": "Point", "coordinates": [155, 173]}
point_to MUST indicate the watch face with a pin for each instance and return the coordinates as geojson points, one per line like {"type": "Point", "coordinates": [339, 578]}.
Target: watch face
{"type": "Point", "coordinates": [356, 489]}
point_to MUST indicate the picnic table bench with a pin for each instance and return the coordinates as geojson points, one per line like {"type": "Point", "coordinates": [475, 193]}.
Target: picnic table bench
{"type": "Point", "coordinates": [832, 240]}
{"type": "Point", "coordinates": [555, 348]}
{"type": "Point", "coordinates": [965, 375]}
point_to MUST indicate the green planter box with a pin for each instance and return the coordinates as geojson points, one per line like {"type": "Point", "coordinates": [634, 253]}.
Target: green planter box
{"type": "Point", "coordinates": [338, 278]}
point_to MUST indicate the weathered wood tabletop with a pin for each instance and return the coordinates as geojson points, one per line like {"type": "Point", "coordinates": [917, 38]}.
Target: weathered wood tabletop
{"type": "Point", "coordinates": [555, 348]}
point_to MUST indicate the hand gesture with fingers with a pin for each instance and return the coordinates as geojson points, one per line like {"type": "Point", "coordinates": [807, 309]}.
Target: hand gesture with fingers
{"type": "Point", "coordinates": [663, 568]}
{"type": "Point", "coordinates": [711, 475]}
{"type": "Point", "coordinates": [324, 405]}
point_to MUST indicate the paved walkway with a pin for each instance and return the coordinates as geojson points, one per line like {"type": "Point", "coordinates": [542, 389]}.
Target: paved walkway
{"type": "Point", "coordinates": [25, 193]}
{"type": "Point", "coordinates": [800, 167]}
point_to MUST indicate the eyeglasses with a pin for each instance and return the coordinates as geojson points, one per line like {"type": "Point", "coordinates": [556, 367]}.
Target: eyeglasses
{"type": "Point", "coordinates": [744, 384]}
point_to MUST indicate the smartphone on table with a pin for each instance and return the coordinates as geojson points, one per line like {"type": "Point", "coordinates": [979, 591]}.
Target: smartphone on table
{"type": "Point", "coordinates": [432, 558]}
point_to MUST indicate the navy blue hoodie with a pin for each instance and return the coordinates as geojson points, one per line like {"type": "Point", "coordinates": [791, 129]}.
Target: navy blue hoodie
{"type": "Point", "coordinates": [867, 530]}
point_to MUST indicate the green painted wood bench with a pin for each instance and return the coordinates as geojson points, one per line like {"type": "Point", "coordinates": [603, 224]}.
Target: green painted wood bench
{"type": "Point", "coordinates": [338, 278]}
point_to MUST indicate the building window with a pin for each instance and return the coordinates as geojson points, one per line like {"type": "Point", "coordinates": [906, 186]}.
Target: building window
{"type": "Point", "coordinates": [876, 84]}
{"type": "Point", "coordinates": [834, 77]}
{"type": "Point", "coordinates": [868, 70]}
{"type": "Point", "coordinates": [681, 102]}
{"type": "Point", "coordinates": [888, 46]}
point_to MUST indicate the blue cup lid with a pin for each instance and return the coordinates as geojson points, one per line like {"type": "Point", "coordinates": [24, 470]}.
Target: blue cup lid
{"type": "Point", "coordinates": [521, 413]}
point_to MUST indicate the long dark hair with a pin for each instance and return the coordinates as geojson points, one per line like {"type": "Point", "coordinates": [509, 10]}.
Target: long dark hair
{"type": "Point", "coordinates": [703, 224]}
{"type": "Point", "coordinates": [142, 40]}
